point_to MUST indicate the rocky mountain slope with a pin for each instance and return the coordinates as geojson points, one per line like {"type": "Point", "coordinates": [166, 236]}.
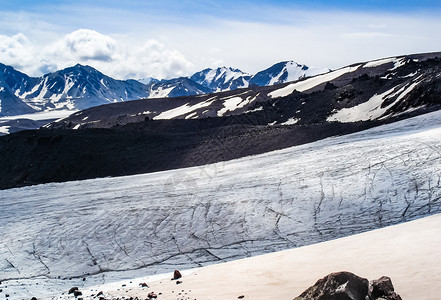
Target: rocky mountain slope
{"type": "Point", "coordinates": [367, 91]}
{"type": "Point", "coordinates": [160, 134]}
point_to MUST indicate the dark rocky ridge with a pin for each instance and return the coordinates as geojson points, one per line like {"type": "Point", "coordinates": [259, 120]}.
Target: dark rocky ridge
{"type": "Point", "coordinates": [56, 155]}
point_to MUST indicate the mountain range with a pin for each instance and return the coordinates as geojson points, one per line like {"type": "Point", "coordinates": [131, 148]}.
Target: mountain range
{"type": "Point", "coordinates": [81, 87]}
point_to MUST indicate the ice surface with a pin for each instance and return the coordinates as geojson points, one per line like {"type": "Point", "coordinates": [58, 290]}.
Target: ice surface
{"type": "Point", "coordinates": [45, 115]}
{"type": "Point", "coordinates": [192, 217]}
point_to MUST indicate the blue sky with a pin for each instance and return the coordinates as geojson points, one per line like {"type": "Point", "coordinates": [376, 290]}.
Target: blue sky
{"type": "Point", "coordinates": [192, 5]}
{"type": "Point", "coordinates": [171, 38]}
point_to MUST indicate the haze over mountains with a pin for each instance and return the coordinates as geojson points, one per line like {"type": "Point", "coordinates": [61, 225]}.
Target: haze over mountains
{"type": "Point", "coordinates": [81, 87]}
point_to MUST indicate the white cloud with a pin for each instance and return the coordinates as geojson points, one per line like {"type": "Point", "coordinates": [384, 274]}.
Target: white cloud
{"type": "Point", "coordinates": [89, 45]}
{"type": "Point", "coordinates": [154, 59]}
{"type": "Point", "coordinates": [117, 57]}
{"type": "Point", "coordinates": [17, 50]}
{"type": "Point", "coordinates": [81, 46]}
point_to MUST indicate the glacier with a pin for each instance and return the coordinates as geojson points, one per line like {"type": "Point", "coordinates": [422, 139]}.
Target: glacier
{"type": "Point", "coordinates": [108, 228]}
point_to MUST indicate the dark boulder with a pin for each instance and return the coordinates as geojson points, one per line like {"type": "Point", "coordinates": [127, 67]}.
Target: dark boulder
{"type": "Point", "coordinates": [177, 275]}
{"type": "Point", "coordinates": [383, 289]}
{"type": "Point", "coordinates": [73, 289]}
{"type": "Point", "coordinates": [337, 286]}
{"type": "Point", "coordinates": [348, 286]}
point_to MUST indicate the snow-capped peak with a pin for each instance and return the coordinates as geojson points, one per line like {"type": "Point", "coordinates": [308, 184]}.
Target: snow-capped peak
{"type": "Point", "coordinates": [284, 72]}
{"type": "Point", "coordinates": [222, 78]}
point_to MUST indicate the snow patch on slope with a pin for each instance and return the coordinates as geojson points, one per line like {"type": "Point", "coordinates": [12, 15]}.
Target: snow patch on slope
{"type": "Point", "coordinates": [233, 104]}
{"type": "Point", "coordinates": [379, 62]}
{"type": "Point", "coordinates": [291, 121]}
{"type": "Point", "coordinates": [311, 82]}
{"type": "Point", "coordinates": [161, 92]}
{"type": "Point", "coordinates": [4, 129]}
{"type": "Point", "coordinates": [183, 110]}
{"type": "Point", "coordinates": [372, 109]}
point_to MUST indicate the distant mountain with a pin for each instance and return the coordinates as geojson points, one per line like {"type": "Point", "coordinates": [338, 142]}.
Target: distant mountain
{"type": "Point", "coordinates": [12, 81]}
{"type": "Point", "coordinates": [147, 80]}
{"type": "Point", "coordinates": [77, 87]}
{"type": "Point", "coordinates": [222, 79]}
{"type": "Point", "coordinates": [227, 79]}
{"type": "Point", "coordinates": [284, 72]}
{"type": "Point", "coordinates": [177, 87]}
{"type": "Point", "coordinates": [81, 87]}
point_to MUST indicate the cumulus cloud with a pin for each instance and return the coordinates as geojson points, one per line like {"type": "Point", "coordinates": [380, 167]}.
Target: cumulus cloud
{"type": "Point", "coordinates": [154, 59]}
{"type": "Point", "coordinates": [118, 57]}
{"type": "Point", "coordinates": [82, 45]}
{"type": "Point", "coordinates": [114, 56]}
{"type": "Point", "coordinates": [17, 50]}
{"type": "Point", "coordinates": [90, 45]}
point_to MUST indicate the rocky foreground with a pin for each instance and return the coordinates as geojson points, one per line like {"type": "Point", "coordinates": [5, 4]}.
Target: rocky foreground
{"type": "Point", "coordinates": [335, 286]}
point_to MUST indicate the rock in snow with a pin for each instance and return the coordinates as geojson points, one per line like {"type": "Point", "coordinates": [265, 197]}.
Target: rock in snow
{"type": "Point", "coordinates": [177, 275]}
{"type": "Point", "coordinates": [348, 286]}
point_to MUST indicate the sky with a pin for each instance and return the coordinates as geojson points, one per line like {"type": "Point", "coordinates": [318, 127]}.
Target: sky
{"type": "Point", "coordinates": [171, 38]}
